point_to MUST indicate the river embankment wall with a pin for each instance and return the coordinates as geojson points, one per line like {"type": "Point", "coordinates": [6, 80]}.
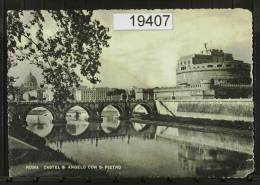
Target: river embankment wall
{"type": "Point", "coordinates": [215, 109]}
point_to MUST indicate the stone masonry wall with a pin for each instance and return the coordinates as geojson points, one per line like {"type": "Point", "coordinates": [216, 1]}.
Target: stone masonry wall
{"type": "Point", "coordinates": [216, 109]}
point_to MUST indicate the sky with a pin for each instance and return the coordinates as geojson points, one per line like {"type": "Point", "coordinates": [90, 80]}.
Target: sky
{"type": "Point", "coordinates": [148, 58]}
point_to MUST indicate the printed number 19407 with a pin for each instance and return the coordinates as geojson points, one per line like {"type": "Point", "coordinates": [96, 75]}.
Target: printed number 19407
{"type": "Point", "coordinates": [143, 21]}
{"type": "Point", "coordinates": [157, 20]}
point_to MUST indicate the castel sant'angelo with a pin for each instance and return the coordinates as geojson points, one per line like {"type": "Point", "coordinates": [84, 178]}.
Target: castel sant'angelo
{"type": "Point", "coordinates": [210, 74]}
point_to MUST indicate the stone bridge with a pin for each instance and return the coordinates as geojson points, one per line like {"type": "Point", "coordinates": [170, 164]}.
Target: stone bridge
{"type": "Point", "coordinates": [18, 111]}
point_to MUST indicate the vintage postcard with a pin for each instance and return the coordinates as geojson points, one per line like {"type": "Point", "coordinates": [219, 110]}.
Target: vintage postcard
{"type": "Point", "coordinates": [130, 93]}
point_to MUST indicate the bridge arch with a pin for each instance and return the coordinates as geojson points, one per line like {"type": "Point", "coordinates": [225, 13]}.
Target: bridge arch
{"type": "Point", "coordinates": [86, 108]}
{"type": "Point", "coordinates": [140, 109]}
{"type": "Point", "coordinates": [77, 120]}
{"type": "Point", "coordinates": [39, 120]}
{"type": "Point", "coordinates": [110, 115]}
{"type": "Point", "coordinates": [145, 108]}
{"type": "Point", "coordinates": [118, 107]}
{"type": "Point", "coordinates": [27, 109]}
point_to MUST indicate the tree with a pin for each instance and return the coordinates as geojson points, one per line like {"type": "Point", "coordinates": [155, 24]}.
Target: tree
{"type": "Point", "coordinates": [76, 43]}
{"type": "Point", "coordinates": [11, 89]}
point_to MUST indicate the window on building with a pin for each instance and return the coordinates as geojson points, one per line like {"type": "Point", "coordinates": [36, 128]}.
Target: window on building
{"type": "Point", "coordinates": [219, 65]}
{"type": "Point", "coordinates": [209, 66]}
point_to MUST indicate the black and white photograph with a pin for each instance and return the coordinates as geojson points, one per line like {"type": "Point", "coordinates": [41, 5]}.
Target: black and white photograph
{"type": "Point", "coordinates": [130, 93]}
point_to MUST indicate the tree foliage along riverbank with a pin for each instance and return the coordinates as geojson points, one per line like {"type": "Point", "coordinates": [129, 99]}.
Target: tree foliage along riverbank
{"type": "Point", "coordinates": [60, 43]}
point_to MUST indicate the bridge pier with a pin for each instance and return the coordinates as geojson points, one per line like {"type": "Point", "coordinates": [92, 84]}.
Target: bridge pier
{"type": "Point", "coordinates": [59, 122]}
{"type": "Point", "coordinates": [24, 123]}
{"type": "Point", "coordinates": [58, 132]}
{"type": "Point", "coordinates": [18, 121]}
{"type": "Point", "coordinates": [59, 128]}
{"type": "Point", "coordinates": [95, 119]}
{"type": "Point", "coordinates": [94, 125]}
{"type": "Point", "coordinates": [124, 117]}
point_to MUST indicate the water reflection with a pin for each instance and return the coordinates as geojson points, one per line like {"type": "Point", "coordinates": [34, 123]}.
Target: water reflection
{"type": "Point", "coordinates": [173, 152]}
{"type": "Point", "coordinates": [110, 116]}
{"type": "Point", "coordinates": [77, 120]}
{"type": "Point", "coordinates": [139, 110]}
{"type": "Point", "coordinates": [225, 140]}
{"type": "Point", "coordinates": [167, 132]}
{"type": "Point", "coordinates": [212, 162]}
{"type": "Point", "coordinates": [39, 121]}
{"type": "Point", "coordinates": [138, 126]}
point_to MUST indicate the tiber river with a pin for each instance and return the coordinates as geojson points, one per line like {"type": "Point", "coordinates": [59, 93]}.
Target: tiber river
{"type": "Point", "coordinates": [172, 152]}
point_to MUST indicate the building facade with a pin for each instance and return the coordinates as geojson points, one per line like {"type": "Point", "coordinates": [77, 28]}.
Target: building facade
{"type": "Point", "coordinates": [144, 94]}
{"type": "Point", "coordinates": [86, 94]}
{"type": "Point", "coordinates": [211, 74]}
{"type": "Point", "coordinates": [164, 93]}
{"type": "Point", "coordinates": [30, 91]}
{"type": "Point", "coordinates": [214, 65]}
